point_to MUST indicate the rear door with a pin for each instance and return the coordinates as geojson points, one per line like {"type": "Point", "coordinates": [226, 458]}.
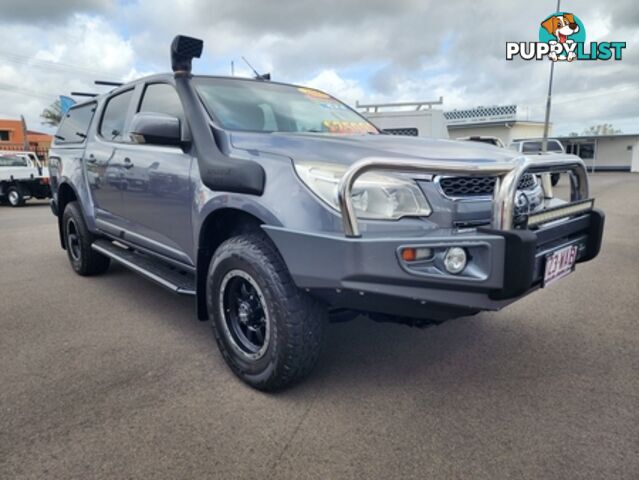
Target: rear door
{"type": "Point", "coordinates": [104, 160]}
{"type": "Point", "coordinates": [158, 197]}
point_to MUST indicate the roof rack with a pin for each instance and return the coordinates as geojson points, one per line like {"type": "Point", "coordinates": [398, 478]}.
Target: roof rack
{"type": "Point", "coordinates": [108, 83]}
{"type": "Point", "coordinates": [84, 94]}
{"type": "Point", "coordinates": [418, 105]}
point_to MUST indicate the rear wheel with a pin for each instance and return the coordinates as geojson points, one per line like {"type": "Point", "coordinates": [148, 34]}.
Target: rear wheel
{"type": "Point", "coordinates": [269, 331]}
{"type": "Point", "coordinates": [15, 196]}
{"type": "Point", "coordinates": [77, 239]}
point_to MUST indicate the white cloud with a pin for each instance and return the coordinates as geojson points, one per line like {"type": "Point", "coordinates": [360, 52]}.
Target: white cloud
{"type": "Point", "coordinates": [369, 51]}
{"type": "Point", "coordinates": [68, 56]}
{"type": "Point", "coordinates": [347, 90]}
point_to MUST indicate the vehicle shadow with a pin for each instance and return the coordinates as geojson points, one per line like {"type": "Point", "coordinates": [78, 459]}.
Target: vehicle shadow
{"type": "Point", "coordinates": [364, 354]}
{"type": "Point", "coordinates": [489, 348]}
{"type": "Point", "coordinates": [28, 204]}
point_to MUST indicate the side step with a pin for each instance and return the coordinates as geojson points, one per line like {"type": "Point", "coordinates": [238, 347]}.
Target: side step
{"type": "Point", "coordinates": [149, 267]}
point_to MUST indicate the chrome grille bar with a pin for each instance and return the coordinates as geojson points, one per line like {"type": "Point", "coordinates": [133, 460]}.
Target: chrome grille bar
{"type": "Point", "coordinates": [508, 177]}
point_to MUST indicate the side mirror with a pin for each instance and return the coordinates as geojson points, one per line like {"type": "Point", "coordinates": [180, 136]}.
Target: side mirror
{"type": "Point", "coordinates": [156, 129]}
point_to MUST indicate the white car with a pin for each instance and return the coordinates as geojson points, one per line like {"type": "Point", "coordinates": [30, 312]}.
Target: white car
{"type": "Point", "coordinates": [22, 176]}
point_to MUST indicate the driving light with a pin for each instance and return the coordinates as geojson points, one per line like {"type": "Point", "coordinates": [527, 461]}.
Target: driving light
{"type": "Point", "coordinates": [455, 260]}
{"type": "Point", "coordinates": [548, 215]}
{"type": "Point", "coordinates": [375, 196]}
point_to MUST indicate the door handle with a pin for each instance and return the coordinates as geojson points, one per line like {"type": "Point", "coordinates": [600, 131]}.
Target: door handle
{"type": "Point", "coordinates": [127, 163]}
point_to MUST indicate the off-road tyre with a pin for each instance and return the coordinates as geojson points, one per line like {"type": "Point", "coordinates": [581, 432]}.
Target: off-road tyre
{"type": "Point", "coordinates": [296, 321]}
{"type": "Point", "coordinates": [84, 260]}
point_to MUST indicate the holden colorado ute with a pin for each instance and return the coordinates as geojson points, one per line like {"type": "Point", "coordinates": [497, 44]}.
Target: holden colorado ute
{"type": "Point", "coordinates": [276, 205]}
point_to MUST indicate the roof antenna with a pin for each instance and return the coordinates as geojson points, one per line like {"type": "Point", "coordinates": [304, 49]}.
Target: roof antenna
{"type": "Point", "coordinates": [264, 76]}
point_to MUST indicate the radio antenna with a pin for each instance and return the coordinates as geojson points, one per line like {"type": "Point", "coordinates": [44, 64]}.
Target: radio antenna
{"type": "Point", "coordinates": [264, 76]}
{"type": "Point", "coordinates": [251, 67]}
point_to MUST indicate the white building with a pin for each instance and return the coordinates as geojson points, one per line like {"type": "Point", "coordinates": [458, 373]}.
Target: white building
{"type": "Point", "coordinates": [602, 152]}
{"type": "Point", "coordinates": [501, 121]}
{"type": "Point", "coordinates": [418, 119]}
{"type": "Point", "coordinates": [605, 152]}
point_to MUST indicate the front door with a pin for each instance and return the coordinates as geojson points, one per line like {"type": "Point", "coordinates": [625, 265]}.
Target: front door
{"type": "Point", "coordinates": [158, 196]}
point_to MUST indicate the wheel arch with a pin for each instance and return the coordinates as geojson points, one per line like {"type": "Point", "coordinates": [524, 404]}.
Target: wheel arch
{"type": "Point", "coordinates": [66, 194]}
{"type": "Point", "coordinates": [217, 227]}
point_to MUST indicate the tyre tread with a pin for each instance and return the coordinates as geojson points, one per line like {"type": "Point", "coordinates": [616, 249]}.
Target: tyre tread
{"type": "Point", "coordinates": [304, 318]}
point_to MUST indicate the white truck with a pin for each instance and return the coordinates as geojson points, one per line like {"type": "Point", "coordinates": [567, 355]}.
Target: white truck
{"type": "Point", "coordinates": [22, 177]}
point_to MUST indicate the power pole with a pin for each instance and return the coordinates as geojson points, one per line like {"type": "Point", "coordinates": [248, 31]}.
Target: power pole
{"type": "Point", "coordinates": [25, 141]}
{"type": "Point", "coordinates": [544, 143]}
{"type": "Point", "coordinates": [546, 182]}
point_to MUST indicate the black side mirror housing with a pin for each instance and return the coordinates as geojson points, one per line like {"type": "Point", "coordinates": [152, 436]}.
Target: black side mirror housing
{"type": "Point", "coordinates": [156, 129]}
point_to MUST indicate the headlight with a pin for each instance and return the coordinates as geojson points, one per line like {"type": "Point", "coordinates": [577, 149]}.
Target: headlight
{"type": "Point", "coordinates": [375, 196]}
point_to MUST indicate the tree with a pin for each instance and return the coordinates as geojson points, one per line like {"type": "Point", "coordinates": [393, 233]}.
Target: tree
{"type": "Point", "coordinates": [603, 129]}
{"type": "Point", "coordinates": [52, 115]}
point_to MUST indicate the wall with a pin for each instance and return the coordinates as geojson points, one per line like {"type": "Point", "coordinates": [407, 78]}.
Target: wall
{"type": "Point", "coordinates": [16, 134]}
{"type": "Point", "coordinates": [614, 151]}
{"type": "Point", "coordinates": [37, 142]}
{"type": "Point", "coordinates": [529, 130]}
{"type": "Point", "coordinates": [429, 123]}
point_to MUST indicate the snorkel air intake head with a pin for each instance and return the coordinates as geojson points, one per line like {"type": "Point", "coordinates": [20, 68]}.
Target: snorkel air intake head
{"type": "Point", "coordinates": [183, 50]}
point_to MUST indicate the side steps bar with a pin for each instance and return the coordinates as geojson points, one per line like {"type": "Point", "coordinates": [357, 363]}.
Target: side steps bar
{"type": "Point", "coordinates": [155, 270]}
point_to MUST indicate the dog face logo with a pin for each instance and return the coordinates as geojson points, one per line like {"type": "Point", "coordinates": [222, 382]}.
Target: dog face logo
{"type": "Point", "coordinates": [557, 29]}
{"type": "Point", "coordinates": [561, 26]}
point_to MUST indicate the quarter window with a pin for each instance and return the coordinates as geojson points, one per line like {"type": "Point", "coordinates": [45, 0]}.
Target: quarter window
{"type": "Point", "coordinates": [114, 117]}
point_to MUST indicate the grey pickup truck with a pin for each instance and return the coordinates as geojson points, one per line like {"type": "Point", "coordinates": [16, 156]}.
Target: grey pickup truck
{"type": "Point", "coordinates": [277, 206]}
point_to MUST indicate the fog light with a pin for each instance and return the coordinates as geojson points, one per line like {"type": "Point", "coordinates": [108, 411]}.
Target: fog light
{"type": "Point", "coordinates": [455, 260]}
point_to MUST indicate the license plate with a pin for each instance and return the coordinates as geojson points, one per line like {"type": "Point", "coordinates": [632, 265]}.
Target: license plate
{"type": "Point", "coordinates": [559, 264]}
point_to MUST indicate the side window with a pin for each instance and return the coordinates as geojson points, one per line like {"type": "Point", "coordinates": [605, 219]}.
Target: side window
{"type": "Point", "coordinates": [114, 116]}
{"type": "Point", "coordinates": [162, 98]}
{"type": "Point", "coordinates": [75, 124]}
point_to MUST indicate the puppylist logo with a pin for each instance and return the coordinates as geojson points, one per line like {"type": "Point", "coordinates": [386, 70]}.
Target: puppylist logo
{"type": "Point", "coordinates": [562, 37]}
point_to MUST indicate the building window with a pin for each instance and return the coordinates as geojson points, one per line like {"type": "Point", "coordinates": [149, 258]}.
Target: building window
{"type": "Point", "coordinates": [4, 135]}
{"type": "Point", "coordinates": [587, 151]}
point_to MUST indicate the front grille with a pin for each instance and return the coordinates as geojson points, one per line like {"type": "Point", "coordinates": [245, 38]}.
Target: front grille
{"type": "Point", "coordinates": [478, 186]}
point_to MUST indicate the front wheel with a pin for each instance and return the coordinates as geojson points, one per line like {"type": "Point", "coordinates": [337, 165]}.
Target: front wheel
{"type": "Point", "coordinates": [269, 331]}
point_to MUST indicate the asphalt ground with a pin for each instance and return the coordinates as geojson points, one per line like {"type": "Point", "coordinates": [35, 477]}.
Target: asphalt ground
{"type": "Point", "coordinates": [113, 377]}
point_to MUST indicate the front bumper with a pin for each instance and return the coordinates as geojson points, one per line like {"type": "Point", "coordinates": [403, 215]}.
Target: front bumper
{"type": "Point", "coordinates": [367, 273]}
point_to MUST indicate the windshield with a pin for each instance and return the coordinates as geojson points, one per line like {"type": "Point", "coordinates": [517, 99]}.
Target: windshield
{"type": "Point", "coordinates": [13, 162]}
{"type": "Point", "coordinates": [248, 105]}
{"type": "Point", "coordinates": [532, 147]}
